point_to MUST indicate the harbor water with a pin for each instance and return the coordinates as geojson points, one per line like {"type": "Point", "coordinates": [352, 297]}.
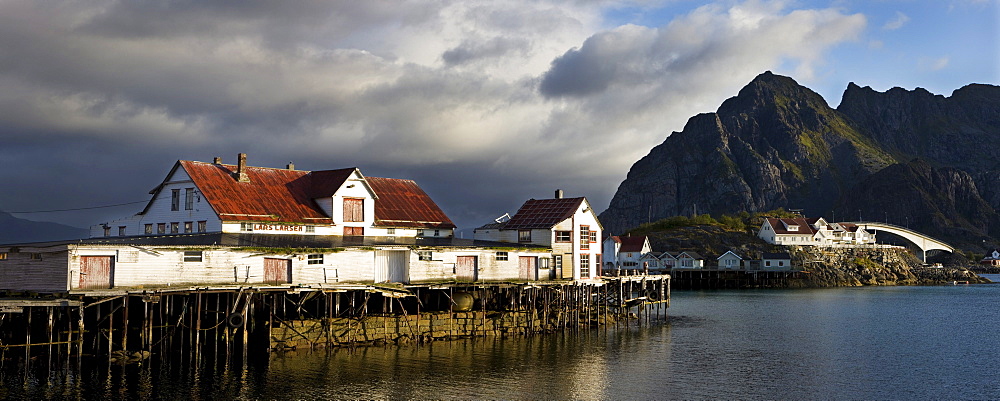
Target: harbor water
{"type": "Point", "coordinates": [933, 342]}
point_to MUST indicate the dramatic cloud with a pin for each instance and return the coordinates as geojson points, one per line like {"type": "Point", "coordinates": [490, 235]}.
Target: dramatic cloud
{"type": "Point", "coordinates": [484, 103]}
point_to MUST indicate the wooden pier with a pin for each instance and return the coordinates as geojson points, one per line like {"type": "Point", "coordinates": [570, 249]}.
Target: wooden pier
{"type": "Point", "coordinates": [225, 324]}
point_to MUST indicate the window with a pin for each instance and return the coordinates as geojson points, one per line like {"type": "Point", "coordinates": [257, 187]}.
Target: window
{"type": "Point", "coordinates": [557, 262]}
{"type": "Point", "coordinates": [437, 233]}
{"type": "Point", "coordinates": [192, 256]}
{"type": "Point", "coordinates": [584, 265]}
{"type": "Point", "coordinates": [315, 259]}
{"type": "Point", "coordinates": [188, 226]}
{"type": "Point", "coordinates": [523, 235]}
{"type": "Point", "coordinates": [584, 237]}
{"type": "Point", "coordinates": [121, 231]}
{"type": "Point", "coordinates": [203, 226]}
{"type": "Point", "coordinates": [189, 199]}
{"type": "Point", "coordinates": [768, 263]}
{"type": "Point", "coordinates": [593, 236]}
{"type": "Point", "coordinates": [174, 227]}
{"type": "Point", "coordinates": [390, 231]}
{"type": "Point", "coordinates": [161, 228]}
{"type": "Point", "coordinates": [107, 231]}
{"type": "Point", "coordinates": [310, 229]}
{"type": "Point", "coordinates": [148, 229]}
{"type": "Point", "coordinates": [246, 226]}
{"type": "Point", "coordinates": [35, 256]}
{"type": "Point", "coordinates": [501, 256]}
{"type": "Point", "coordinates": [175, 199]}
{"type": "Point", "coordinates": [424, 255]}
{"type": "Point", "coordinates": [3, 255]}
{"type": "Point", "coordinates": [544, 263]}
{"type": "Point", "coordinates": [354, 209]}
{"type": "Point", "coordinates": [564, 236]}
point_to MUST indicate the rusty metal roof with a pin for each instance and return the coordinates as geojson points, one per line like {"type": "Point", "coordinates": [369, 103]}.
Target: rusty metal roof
{"type": "Point", "coordinates": [543, 213]}
{"type": "Point", "coordinates": [402, 203]}
{"type": "Point", "coordinates": [283, 195]}
{"type": "Point", "coordinates": [271, 194]}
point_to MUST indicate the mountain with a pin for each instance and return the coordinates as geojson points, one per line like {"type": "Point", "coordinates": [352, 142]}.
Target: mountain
{"type": "Point", "coordinates": [909, 157]}
{"type": "Point", "coordinates": [14, 230]}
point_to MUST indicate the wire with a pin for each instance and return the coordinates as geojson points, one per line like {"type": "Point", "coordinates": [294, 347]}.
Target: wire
{"type": "Point", "coordinates": [79, 208]}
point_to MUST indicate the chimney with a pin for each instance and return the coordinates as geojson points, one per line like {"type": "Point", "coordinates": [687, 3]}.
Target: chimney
{"type": "Point", "coordinates": [241, 169]}
{"type": "Point", "coordinates": [290, 166]}
{"type": "Point", "coordinates": [559, 194]}
{"type": "Point", "coordinates": [217, 160]}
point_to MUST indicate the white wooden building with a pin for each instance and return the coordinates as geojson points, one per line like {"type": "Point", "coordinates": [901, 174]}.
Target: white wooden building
{"type": "Point", "coordinates": [689, 260]}
{"type": "Point", "coordinates": [780, 261]}
{"type": "Point", "coordinates": [730, 261]}
{"type": "Point", "coordinates": [625, 252]}
{"type": "Point", "coordinates": [568, 226]}
{"type": "Point", "coordinates": [199, 197]}
{"type": "Point", "coordinates": [813, 232]}
{"type": "Point", "coordinates": [222, 259]}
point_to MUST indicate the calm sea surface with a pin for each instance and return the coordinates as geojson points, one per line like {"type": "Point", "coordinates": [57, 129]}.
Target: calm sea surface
{"type": "Point", "coordinates": [845, 343]}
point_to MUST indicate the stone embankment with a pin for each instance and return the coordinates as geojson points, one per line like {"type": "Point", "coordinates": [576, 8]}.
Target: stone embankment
{"type": "Point", "coordinates": [848, 267]}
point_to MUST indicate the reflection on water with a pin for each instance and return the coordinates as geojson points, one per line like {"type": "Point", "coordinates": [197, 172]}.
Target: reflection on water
{"type": "Point", "coordinates": [845, 343]}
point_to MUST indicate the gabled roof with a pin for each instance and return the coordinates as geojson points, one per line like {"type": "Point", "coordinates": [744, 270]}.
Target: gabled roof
{"type": "Point", "coordinates": [283, 195]}
{"type": "Point", "coordinates": [692, 255]}
{"type": "Point", "coordinates": [543, 213]}
{"type": "Point", "coordinates": [779, 225]}
{"type": "Point", "coordinates": [270, 195]}
{"type": "Point", "coordinates": [402, 203]}
{"type": "Point", "coordinates": [728, 253]}
{"type": "Point", "coordinates": [632, 244]}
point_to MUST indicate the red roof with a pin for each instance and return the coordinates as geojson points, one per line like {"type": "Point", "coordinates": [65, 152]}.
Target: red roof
{"type": "Point", "coordinates": [632, 244]}
{"type": "Point", "coordinates": [543, 213]}
{"type": "Point", "coordinates": [401, 203]}
{"type": "Point", "coordinates": [282, 195]}
{"type": "Point", "coordinates": [779, 225]}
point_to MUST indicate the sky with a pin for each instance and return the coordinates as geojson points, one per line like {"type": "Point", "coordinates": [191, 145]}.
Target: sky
{"type": "Point", "coordinates": [485, 104]}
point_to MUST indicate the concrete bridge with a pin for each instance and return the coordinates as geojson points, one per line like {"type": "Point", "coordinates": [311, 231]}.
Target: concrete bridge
{"type": "Point", "coordinates": [922, 241]}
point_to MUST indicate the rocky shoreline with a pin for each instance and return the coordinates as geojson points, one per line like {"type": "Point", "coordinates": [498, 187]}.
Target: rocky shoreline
{"type": "Point", "coordinates": [852, 267]}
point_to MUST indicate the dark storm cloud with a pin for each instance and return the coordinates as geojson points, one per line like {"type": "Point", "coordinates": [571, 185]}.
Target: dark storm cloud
{"type": "Point", "coordinates": [99, 99]}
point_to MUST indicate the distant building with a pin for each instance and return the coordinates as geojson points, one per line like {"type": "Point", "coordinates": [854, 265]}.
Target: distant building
{"type": "Point", "coordinates": [689, 260]}
{"type": "Point", "coordinates": [625, 252]}
{"type": "Point", "coordinates": [813, 232]}
{"type": "Point", "coordinates": [991, 259]}
{"type": "Point", "coordinates": [730, 261]}
{"type": "Point", "coordinates": [780, 261]}
{"type": "Point", "coordinates": [569, 226]}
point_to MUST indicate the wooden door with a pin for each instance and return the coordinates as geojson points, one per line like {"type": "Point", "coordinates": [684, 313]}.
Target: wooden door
{"type": "Point", "coordinates": [354, 209]}
{"type": "Point", "coordinates": [465, 268]}
{"type": "Point", "coordinates": [354, 231]}
{"type": "Point", "coordinates": [96, 272]}
{"type": "Point", "coordinates": [391, 267]}
{"type": "Point", "coordinates": [526, 265]}
{"type": "Point", "coordinates": [277, 271]}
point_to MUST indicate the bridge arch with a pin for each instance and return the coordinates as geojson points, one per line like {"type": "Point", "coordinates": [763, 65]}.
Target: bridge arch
{"type": "Point", "coordinates": [920, 240]}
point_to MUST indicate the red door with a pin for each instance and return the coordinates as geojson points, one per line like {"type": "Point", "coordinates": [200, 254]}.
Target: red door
{"type": "Point", "coordinates": [277, 271]}
{"type": "Point", "coordinates": [354, 231]}
{"type": "Point", "coordinates": [96, 272]}
{"type": "Point", "coordinates": [526, 266]}
{"type": "Point", "coordinates": [465, 268]}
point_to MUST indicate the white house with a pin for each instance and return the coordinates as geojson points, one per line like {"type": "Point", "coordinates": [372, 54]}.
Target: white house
{"type": "Point", "coordinates": [730, 261]}
{"type": "Point", "coordinates": [776, 261]}
{"type": "Point", "coordinates": [198, 197]}
{"type": "Point", "coordinates": [568, 226]}
{"type": "Point", "coordinates": [653, 262]}
{"type": "Point", "coordinates": [689, 260]}
{"type": "Point", "coordinates": [625, 252]}
{"type": "Point", "coordinates": [813, 232]}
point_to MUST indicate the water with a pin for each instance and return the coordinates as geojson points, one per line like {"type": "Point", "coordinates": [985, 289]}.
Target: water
{"type": "Point", "coordinates": [842, 343]}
